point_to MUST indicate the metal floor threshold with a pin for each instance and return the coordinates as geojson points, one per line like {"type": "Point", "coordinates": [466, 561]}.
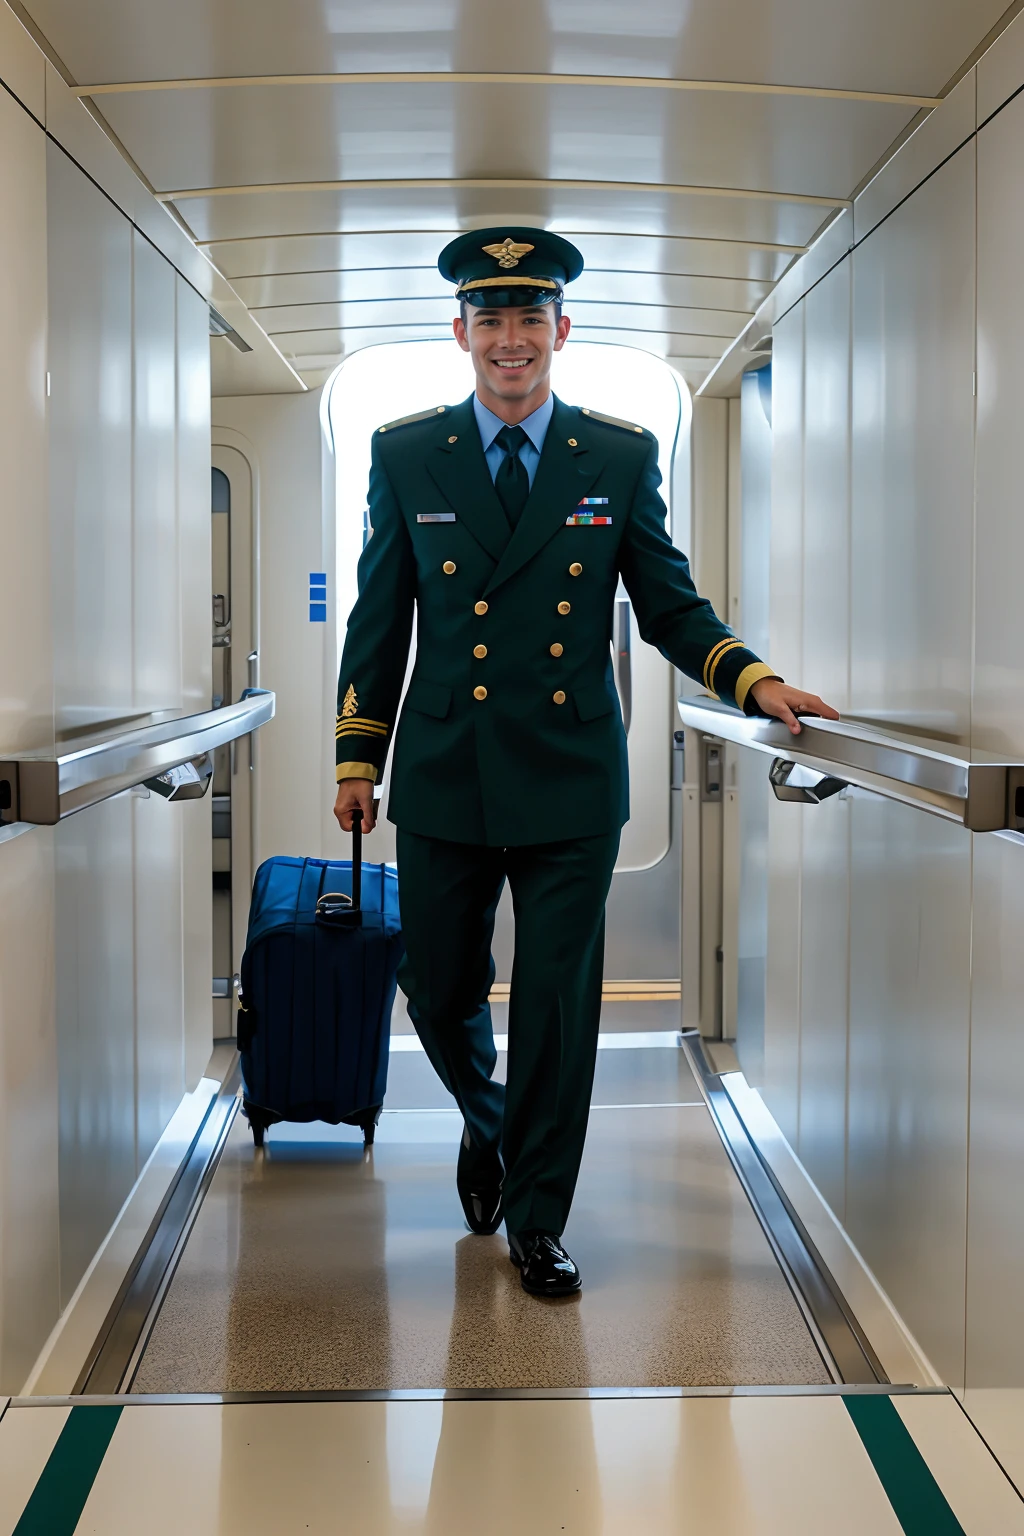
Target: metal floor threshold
{"type": "Point", "coordinates": [841, 1341]}
{"type": "Point", "coordinates": [476, 1395]}
{"type": "Point", "coordinates": [118, 1349]}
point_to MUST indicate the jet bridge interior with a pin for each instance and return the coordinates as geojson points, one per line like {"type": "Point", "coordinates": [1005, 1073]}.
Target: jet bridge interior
{"type": "Point", "coordinates": [798, 1215]}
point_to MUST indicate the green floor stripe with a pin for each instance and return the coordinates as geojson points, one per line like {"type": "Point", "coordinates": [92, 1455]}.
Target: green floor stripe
{"type": "Point", "coordinates": [59, 1496]}
{"type": "Point", "coordinates": [903, 1472]}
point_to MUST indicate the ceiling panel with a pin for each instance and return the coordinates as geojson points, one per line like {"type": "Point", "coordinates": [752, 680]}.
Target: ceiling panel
{"type": "Point", "coordinates": [332, 132]}
{"type": "Point", "coordinates": [648, 211]}
{"type": "Point", "coordinates": [330, 270]}
{"type": "Point", "coordinates": [911, 46]}
{"type": "Point", "coordinates": [425, 283]}
{"type": "Point", "coordinates": [412, 249]}
{"type": "Point", "coordinates": [289, 318]}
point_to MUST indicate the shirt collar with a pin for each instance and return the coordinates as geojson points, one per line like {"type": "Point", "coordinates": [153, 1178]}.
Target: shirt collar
{"type": "Point", "coordinates": [535, 426]}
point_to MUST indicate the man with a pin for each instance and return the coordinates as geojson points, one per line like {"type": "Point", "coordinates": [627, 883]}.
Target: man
{"type": "Point", "coordinates": [506, 522]}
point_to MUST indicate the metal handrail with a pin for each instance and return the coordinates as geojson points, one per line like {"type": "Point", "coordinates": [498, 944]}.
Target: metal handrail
{"type": "Point", "coordinates": [43, 789]}
{"type": "Point", "coordinates": [981, 792]}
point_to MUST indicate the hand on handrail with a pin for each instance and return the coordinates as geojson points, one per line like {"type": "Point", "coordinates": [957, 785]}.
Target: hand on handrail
{"type": "Point", "coordinates": [784, 703]}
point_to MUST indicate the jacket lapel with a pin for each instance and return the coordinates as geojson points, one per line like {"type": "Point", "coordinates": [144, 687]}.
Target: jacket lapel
{"type": "Point", "coordinates": [564, 475]}
{"type": "Point", "coordinates": [459, 470]}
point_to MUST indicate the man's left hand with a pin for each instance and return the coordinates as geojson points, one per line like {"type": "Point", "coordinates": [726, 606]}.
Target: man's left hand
{"type": "Point", "coordinates": [785, 703]}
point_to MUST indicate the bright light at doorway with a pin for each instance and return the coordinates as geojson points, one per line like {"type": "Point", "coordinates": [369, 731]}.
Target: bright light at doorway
{"type": "Point", "coordinates": [384, 383]}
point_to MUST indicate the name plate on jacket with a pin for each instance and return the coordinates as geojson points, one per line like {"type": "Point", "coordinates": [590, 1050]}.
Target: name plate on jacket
{"type": "Point", "coordinates": [435, 517]}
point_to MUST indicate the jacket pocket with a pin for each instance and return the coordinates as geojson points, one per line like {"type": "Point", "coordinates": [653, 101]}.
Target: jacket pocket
{"type": "Point", "coordinates": [593, 702]}
{"type": "Point", "coordinates": [429, 698]}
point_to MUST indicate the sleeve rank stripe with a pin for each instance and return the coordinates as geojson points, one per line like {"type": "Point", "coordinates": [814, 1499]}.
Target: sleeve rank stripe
{"type": "Point", "coordinates": [733, 645]}
{"type": "Point", "coordinates": [709, 658]}
{"type": "Point", "coordinates": [360, 730]}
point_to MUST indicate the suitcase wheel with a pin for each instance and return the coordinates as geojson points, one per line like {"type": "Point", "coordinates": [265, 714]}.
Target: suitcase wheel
{"type": "Point", "coordinates": [256, 1123]}
{"type": "Point", "coordinates": [368, 1125]}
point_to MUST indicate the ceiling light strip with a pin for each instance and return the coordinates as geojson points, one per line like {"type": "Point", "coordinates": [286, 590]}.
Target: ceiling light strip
{"type": "Point", "coordinates": [437, 325]}
{"type": "Point", "coordinates": [500, 184]}
{"type": "Point", "coordinates": [435, 298]}
{"type": "Point", "coordinates": [715, 277]}
{"type": "Point", "coordinates": [447, 234]}
{"type": "Point", "coordinates": [460, 77]}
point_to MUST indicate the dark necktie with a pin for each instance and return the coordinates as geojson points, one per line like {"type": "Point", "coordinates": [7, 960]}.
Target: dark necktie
{"type": "Point", "coordinates": [512, 483]}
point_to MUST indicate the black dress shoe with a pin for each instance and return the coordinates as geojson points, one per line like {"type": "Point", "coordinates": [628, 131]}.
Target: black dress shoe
{"type": "Point", "coordinates": [479, 1181]}
{"type": "Point", "coordinates": [545, 1269]}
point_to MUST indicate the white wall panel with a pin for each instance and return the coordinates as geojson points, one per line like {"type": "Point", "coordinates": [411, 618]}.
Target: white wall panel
{"type": "Point", "coordinates": [785, 822]}
{"type": "Point", "coordinates": [156, 610]}
{"type": "Point", "coordinates": [940, 134]}
{"type": "Point", "coordinates": [995, 1250]}
{"type": "Point", "coordinates": [913, 451]}
{"type": "Point", "coordinates": [22, 66]}
{"type": "Point", "coordinates": [751, 779]}
{"type": "Point", "coordinates": [998, 703]}
{"type": "Point", "coordinates": [824, 903]}
{"type": "Point", "coordinates": [193, 359]}
{"type": "Point", "coordinates": [95, 1027]}
{"type": "Point", "coordinates": [29, 1259]}
{"type": "Point", "coordinates": [26, 690]}
{"type": "Point", "coordinates": [1001, 70]}
{"type": "Point", "coordinates": [90, 360]}
{"type": "Point", "coordinates": [906, 1198]}
{"type": "Point", "coordinates": [158, 969]}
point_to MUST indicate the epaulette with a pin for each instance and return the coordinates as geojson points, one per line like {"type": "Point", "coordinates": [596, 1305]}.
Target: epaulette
{"type": "Point", "coordinates": [611, 421]}
{"type": "Point", "coordinates": [406, 421]}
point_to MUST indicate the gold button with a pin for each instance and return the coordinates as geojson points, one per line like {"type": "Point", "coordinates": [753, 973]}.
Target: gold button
{"type": "Point", "coordinates": [556, 649]}
{"type": "Point", "coordinates": [480, 693]}
{"type": "Point", "coordinates": [479, 651]}
{"type": "Point", "coordinates": [480, 607]}
{"type": "Point", "coordinates": [449, 567]}
{"type": "Point", "coordinates": [564, 607]}
{"type": "Point", "coordinates": [575, 569]}
{"type": "Point", "coordinates": [573, 443]}
{"type": "Point", "coordinates": [558, 697]}
{"type": "Point", "coordinates": [453, 439]}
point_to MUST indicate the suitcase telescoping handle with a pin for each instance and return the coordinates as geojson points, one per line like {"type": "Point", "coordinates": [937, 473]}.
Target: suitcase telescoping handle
{"type": "Point", "coordinates": [335, 909]}
{"type": "Point", "coordinates": [357, 858]}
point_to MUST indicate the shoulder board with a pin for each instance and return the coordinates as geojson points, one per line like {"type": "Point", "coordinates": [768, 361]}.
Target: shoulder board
{"type": "Point", "coordinates": [406, 421]}
{"type": "Point", "coordinates": [611, 421]}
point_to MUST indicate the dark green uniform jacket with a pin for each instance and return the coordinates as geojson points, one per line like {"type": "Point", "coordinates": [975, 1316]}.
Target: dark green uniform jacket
{"type": "Point", "coordinates": [510, 732]}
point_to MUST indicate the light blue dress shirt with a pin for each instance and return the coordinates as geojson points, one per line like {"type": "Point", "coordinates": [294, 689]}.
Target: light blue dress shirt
{"type": "Point", "coordinates": [535, 426]}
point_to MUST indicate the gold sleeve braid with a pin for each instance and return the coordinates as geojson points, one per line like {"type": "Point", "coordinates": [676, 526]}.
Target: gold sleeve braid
{"type": "Point", "coordinates": [714, 657]}
{"type": "Point", "coordinates": [755, 673]}
{"type": "Point", "coordinates": [359, 726]}
{"type": "Point", "coordinates": [356, 771]}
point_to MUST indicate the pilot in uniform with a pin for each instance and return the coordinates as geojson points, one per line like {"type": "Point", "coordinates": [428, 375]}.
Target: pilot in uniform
{"type": "Point", "coordinates": [509, 754]}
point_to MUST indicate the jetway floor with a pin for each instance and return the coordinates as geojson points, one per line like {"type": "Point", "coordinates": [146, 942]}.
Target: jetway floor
{"type": "Point", "coordinates": [336, 1353]}
{"type": "Point", "coordinates": [315, 1267]}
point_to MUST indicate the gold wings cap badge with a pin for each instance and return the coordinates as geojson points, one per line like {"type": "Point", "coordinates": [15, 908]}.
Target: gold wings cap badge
{"type": "Point", "coordinates": [508, 253]}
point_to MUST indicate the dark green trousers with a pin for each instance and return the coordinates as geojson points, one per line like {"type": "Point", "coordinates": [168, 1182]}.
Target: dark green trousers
{"type": "Point", "coordinates": [449, 893]}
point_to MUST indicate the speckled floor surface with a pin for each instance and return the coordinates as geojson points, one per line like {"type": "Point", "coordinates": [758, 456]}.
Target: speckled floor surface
{"type": "Point", "coordinates": [314, 1268]}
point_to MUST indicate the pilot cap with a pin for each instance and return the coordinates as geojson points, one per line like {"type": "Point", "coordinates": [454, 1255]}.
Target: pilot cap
{"type": "Point", "coordinates": [497, 268]}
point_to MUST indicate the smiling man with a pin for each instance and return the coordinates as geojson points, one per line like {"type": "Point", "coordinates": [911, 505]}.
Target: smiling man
{"type": "Point", "coordinates": [506, 522]}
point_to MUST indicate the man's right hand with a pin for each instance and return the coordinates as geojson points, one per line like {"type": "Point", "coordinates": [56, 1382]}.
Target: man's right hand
{"type": "Point", "coordinates": [353, 793]}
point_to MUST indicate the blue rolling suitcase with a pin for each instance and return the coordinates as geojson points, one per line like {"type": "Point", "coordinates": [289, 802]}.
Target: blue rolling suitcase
{"type": "Point", "coordinates": [318, 985]}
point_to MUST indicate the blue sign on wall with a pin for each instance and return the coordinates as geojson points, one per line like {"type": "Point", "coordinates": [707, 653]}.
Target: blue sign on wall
{"type": "Point", "coordinates": [318, 597]}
